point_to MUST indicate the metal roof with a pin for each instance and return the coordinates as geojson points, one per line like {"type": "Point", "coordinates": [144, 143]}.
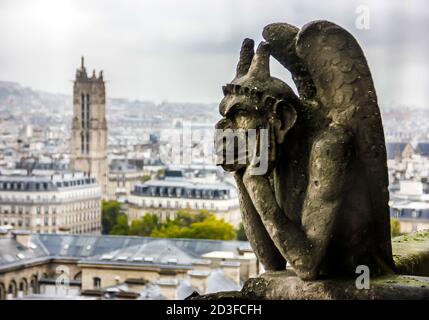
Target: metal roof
{"type": "Point", "coordinates": [106, 249]}
{"type": "Point", "coordinates": [13, 253]}
{"type": "Point", "coordinates": [186, 184]}
{"type": "Point", "coordinates": [395, 149]}
{"type": "Point", "coordinates": [423, 148]}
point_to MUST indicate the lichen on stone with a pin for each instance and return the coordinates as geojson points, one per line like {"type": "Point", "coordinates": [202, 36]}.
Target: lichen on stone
{"type": "Point", "coordinates": [411, 253]}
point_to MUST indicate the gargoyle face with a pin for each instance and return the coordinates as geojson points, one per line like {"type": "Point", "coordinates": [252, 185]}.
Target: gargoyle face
{"type": "Point", "coordinates": [257, 111]}
{"type": "Point", "coordinates": [234, 144]}
{"type": "Point", "coordinates": [253, 123]}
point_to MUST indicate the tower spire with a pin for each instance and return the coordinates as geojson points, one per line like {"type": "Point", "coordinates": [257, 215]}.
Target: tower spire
{"type": "Point", "coordinates": [82, 59]}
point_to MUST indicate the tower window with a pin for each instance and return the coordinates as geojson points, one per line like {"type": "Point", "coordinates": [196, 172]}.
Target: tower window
{"type": "Point", "coordinates": [82, 143]}
{"type": "Point", "coordinates": [87, 111]}
{"type": "Point", "coordinates": [87, 142]}
{"type": "Point", "coordinates": [83, 104]}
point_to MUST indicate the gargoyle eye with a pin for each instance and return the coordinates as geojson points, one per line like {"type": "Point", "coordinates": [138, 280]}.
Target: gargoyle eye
{"type": "Point", "coordinates": [238, 109]}
{"type": "Point", "coordinates": [224, 90]}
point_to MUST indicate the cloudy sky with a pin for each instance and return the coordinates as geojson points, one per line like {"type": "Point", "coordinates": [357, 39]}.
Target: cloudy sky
{"type": "Point", "coordinates": [186, 50]}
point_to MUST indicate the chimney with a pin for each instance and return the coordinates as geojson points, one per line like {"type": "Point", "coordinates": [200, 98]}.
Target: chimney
{"type": "Point", "coordinates": [23, 237]}
{"type": "Point", "coordinates": [231, 269]}
{"type": "Point", "coordinates": [168, 288]}
{"type": "Point", "coordinates": [199, 280]}
{"type": "Point", "coordinates": [202, 264]}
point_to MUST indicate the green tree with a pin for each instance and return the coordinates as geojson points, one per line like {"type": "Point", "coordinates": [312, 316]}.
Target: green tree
{"type": "Point", "coordinates": [145, 226]}
{"type": "Point", "coordinates": [160, 173]}
{"type": "Point", "coordinates": [145, 178]}
{"type": "Point", "coordinates": [169, 231]}
{"type": "Point", "coordinates": [211, 228]}
{"type": "Point", "coordinates": [208, 228]}
{"type": "Point", "coordinates": [241, 234]}
{"type": "Point", "coordinates": [121, 227]}
{"type": "Point", "coordinates": [195, 225]}
{"type": "Point", "coordinates": [395, 228]}
{"type": "Point", "coordinates": [185, 218]}
{"type": "Point", "coordinates": [110, 210]}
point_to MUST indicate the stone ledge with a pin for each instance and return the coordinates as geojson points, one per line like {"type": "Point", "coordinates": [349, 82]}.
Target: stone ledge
{"type": "Point", "coordinates": [281, 285]}
{"type": "Point", "coordinates": [411, 253]}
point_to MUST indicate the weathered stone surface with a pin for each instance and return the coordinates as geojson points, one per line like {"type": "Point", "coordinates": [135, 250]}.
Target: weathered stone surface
{"type": "Point", "coordinates": [321, 204]}
{"type": "Point", "coordinates": [278, 285]}
{"type": "Point", "coordinates": [411, 253]}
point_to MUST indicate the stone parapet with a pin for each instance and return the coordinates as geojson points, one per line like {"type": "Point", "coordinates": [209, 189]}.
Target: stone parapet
{"type": "Point", "coordinates": [411, 255]}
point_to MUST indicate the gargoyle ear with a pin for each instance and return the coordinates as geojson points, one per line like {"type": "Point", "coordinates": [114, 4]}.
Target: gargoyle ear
{"type": "Point", "coordinates": [246, 55]}
{"type": "Point", "coordinates": [286, 118]}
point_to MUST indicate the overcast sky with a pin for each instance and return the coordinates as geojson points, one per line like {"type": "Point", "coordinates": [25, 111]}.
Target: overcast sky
{"type": "Point", "coordinates": [186, 50]}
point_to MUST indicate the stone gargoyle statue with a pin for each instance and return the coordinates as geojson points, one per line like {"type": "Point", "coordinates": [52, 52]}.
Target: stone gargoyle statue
{"type": "Point", "coordinates": [322, 204]}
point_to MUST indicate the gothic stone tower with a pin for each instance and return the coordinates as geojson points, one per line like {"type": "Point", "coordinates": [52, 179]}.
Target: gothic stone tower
{"type": "Point", "coordinates": [89, 127]}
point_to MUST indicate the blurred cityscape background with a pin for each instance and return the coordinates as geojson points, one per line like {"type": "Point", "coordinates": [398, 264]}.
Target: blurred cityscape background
{"type": "Point", "coordinates": [94, 201]}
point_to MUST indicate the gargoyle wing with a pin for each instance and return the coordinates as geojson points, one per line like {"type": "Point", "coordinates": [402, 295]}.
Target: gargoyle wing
{"type": "Point", "coordinates": [329, 67]}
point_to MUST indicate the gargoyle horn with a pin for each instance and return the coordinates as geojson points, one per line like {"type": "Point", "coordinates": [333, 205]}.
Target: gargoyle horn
{"type": "Point", "coordinates": [246, 56]}
{"type": "Point", "coordinates": [260, 66]}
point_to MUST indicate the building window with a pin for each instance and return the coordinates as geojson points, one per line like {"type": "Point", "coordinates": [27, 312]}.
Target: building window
{"type": "Point", "coordinates": [82, 143]}
{"type": "Point", "coordinates": [416, 214]}
{"type": "Point", "coordinates": [87, 143]}
{"type": "Point", "coordinates": [396, 213]}
{"type": "Point", "coordinates": [82, 101]}
{"type": "Point", "coordinates": [87, 111]}
{"type": "Point", "coordinates": [96, 282]}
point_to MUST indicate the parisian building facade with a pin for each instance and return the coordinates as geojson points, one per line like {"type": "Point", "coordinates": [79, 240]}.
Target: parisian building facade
{"type": "Point", "coordinates": [58, 203]}
{"type": "Point", "coordinates": [165, 197]}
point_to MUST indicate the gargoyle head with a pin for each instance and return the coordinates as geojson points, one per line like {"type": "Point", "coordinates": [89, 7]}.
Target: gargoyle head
{"type": "Point", "coordinates": [253, 102]}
